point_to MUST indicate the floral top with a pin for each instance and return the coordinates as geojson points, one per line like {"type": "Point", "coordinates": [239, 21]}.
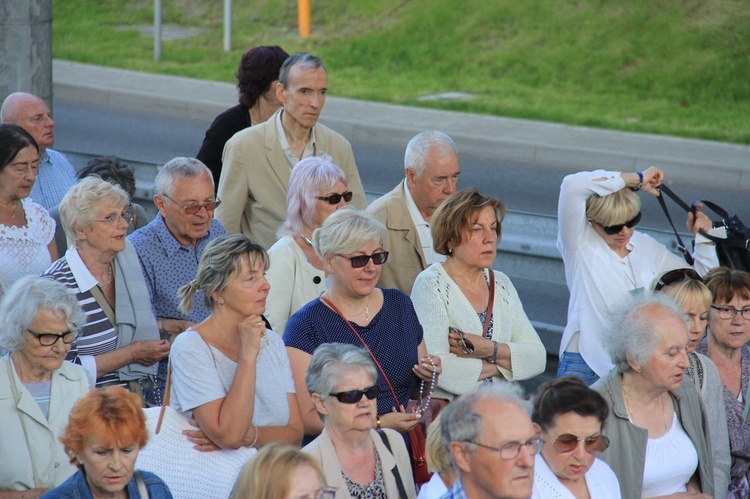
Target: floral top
{"type": "Point", "coordinates": [373, 490]}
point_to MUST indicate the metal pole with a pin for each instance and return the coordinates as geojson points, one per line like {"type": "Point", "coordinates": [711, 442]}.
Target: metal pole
{"type": "Point", "coordinates": [157, 30]}
{"type": "Point", "coordinates": [303, 16]}
{"type": "Point", "coordinates": [227, 25]}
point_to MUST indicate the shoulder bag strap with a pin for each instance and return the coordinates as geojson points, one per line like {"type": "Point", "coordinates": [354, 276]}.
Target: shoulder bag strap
{"type": "Point", "coordinates": [142, 490]}
{"type": "Point", "coordinates": [104, 304]}
{"type": "Point", "coordinates": [490, 304]}
{"type": "Point", "coordinates": [747, 400]}
{"type": "Point", "coordinates": [680, 245]}
{"type": "Point", "coordinates": [396, 474]}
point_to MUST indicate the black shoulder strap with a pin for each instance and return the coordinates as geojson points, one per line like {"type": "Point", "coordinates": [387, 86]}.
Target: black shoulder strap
{"type": "Point", "coordinates": [680, 245]}
{"type": "Point", "coordinates": [396, 474]}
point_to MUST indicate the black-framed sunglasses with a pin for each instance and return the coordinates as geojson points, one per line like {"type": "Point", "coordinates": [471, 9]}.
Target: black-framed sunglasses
{"type": "Point", "coordinates": [675, 276]}
{"type": "Point", "coordinates": [360, 261]}
{"type": "Point", "coordinates": [354, 396]}
{"type": "Point", "coordinates": [192, 209]}
{"type": "Point", "coordinates": [49, 339]}
{"type": "Point", "coordinates": [464, 344]}
{"type": "Point", "coordinates": [568, 442]}
{"type": "Point", "coordinates": [616, 229]}
{"type": "Point", "coordinates": [336, 198]}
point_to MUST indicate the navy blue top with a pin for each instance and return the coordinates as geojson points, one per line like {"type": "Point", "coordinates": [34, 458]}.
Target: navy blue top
{"type": "Point", "coordinates": [393, 335]}
{"type": "Point", "coordinates": [76, 487]}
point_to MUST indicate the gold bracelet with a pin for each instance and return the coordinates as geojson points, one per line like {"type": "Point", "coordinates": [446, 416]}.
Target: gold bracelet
{"type": "Point", "coordinates": [377, 423]}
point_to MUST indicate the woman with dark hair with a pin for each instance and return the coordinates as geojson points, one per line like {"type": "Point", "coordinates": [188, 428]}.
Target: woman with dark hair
{"type": "Point", "coordinates": [570, 417]}
{"type": "Point", "coordinates": [256, 81]}
{"type": "Point", "coordinates": [27, 244]}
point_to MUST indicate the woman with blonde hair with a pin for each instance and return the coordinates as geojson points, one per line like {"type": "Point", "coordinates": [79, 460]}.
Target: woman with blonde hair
{"type": "Point", "coordinates": [439, 464]}
{"type": "Point", "coordinates": [281, 472]}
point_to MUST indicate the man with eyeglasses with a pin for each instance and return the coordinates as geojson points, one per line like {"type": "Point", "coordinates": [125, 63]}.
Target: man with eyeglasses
{"type": "Point", "coordinates": [432, 169]}
{"type": "Point", "coordinates": [56, 174]}
{"type": "Point", "coordinates": [170, 246]}
{"type": "Point", "coordinates": [258, 161]}
{"type": "Point", "coordinates": [491, 442]}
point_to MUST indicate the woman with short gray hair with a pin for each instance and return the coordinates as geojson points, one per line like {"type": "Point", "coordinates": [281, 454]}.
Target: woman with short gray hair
{"type": "Point", "coordinates": [120, 343]}
{"type": "Point", "coordinates": [229, 372]}
{"type": "Point", "coordinates": [356, 460]}
{"type": "Point", "coordinates": [317, 188]}
{"type": "Point", "coordinates": [37, 387]}
{"type": "Point", "coordinates": [657, 428]}
{"type": "Point", "coordinates": [354, 311]}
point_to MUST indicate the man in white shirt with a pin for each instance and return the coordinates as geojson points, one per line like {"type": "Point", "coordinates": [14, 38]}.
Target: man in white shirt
{"type": "Point", "coordinates": [56, 174]}
{"type": "Point", "coordinates": [258, 161]}
{"type": "Point", "coordinates": [432, 170]}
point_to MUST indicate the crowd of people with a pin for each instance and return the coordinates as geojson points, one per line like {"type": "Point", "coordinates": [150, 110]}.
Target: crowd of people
{"type": "Point", "coordinates": [270, 307]}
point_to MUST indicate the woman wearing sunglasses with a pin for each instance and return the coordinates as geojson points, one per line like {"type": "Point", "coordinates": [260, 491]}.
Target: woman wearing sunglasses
{"type": "Point", "coordinates": [354, 311]}
{"type": "Point", "coordinates": [471, 314]}
{"type": "Point", "coordinates": [357, 460]}
{"type": "Point", "coordinates": [37, 388]}
{"type": "Point", "coordinates": [606, 258]}
{"type": "Point", "coordinates": [687, 289]}
{"type": "Point", "coordinates": [317, 188]}
{"type": "Point", "coordinates": [726, 345]}
{"type": "Point", "coordinates": [570, 417]}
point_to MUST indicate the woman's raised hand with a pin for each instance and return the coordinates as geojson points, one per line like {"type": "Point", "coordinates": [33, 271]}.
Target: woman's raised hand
{"type": "Point", "coordinates": [652, 179]}
{"type": "Point", "coordinates": [252, 330]}
{"type": "Point", "coordinates": [424, 368]}
{"type": "Point", "coordinates": [400, 421]}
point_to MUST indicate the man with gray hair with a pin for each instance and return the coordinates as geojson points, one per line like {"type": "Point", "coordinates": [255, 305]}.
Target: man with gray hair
{"type": "Point", "coordinates": [432, 169]}
{"type": "Point", "coordinates": [170, 246]}
{"type": "Point", "coordinates": [56, 174]}
{"type": "Point", "coordinates": [492, 443]}
{"type": "Point", "coordinates": [258, 161]}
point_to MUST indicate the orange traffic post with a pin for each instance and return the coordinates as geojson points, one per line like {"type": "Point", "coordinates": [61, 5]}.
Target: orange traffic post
{"type": "Point", "coordinates": [303, 16]}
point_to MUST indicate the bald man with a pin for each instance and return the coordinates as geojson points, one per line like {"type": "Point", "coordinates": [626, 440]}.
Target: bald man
{"type": "Point", "coordinates": [56, 174]}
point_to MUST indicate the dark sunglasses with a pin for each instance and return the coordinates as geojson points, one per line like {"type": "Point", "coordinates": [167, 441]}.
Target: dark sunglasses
{"type": "Point", "coordinates": [464, 344]}
{"type": "Point", "coordinates": [336, 198]}
{"type": "Point", "coordinates": [675, 276]}
{"type": "Point", "coordinates": [568, 443]}
{"type": "Point", "coordinates": [360, 261]}
{"type": "Point", "coordinates": [615, 229]}
{"type": "Point", "coordinates": [49, 339]}
{"type": "Point", "coordinates": [354, 396]}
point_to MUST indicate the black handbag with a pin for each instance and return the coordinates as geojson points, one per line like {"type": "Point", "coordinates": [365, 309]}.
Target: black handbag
{"type": "Point", "coordinates": [733, 250]}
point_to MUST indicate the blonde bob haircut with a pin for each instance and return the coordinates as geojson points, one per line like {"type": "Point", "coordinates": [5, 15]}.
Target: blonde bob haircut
{"type": "Point", "coordinates": [435, 452]}
{"type": "Point", "coordinates": [451, 222]}
{"type": "Point", "coordinates": [613, 209]}
{"type": "Point", "coordinates": [686, 293]}
{"type": "Point", "coordinates": [269, 473]}
{"type": "Point", "coordinates": [346, 231]}
{"type": "Point", "coordinates": [78, 206]}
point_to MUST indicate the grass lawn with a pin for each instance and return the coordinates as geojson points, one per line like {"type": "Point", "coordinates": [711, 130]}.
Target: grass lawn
{"type": "Point", "coordinates": [677, 67]}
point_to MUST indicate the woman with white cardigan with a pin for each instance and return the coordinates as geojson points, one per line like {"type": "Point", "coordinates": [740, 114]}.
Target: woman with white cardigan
{"type": "Point", "coordinates": [471, 315]}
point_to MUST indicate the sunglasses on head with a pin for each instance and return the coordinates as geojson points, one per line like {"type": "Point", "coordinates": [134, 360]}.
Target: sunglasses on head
{"type": "Point", "coordinates": [354, 396]}
{"type": "Point", "coordinates": [568, 443]}
{"type": "Point", "coordinates": [336, 198]}
{"type": "Point", "coordinates": [616, 229]}
{"type": "Point", "coordinates": [675, 276]}
{"type": "Point", "coordinates": [360, 261]}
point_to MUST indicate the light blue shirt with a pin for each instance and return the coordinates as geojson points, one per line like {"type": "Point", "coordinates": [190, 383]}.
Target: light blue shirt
{"type": "Point", "coordinates": [56, 175]}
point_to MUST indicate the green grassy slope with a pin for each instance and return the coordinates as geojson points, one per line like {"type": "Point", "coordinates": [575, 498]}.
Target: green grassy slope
{"type": "Point", "coordinates": [679, 67]}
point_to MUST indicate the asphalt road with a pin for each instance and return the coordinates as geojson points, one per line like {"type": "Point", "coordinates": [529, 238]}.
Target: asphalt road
{"type": "Point", "coordinates": [156, 138]}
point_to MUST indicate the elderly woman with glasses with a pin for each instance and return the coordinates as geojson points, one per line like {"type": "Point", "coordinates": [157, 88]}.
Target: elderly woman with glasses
{"type": "Point", "coordinates": [120, 343]}
{"type": "Point", "coordinates": [726, 345]}
{"type": "Point", "coordinates": [357, 460]}
{"type": "Point", "coordinates": [690, 293]}
{"type": "Point", "coordinates": [658, 427]}
{"type": "Point", "coordinates": [354, 311]}
{"type": "Point", "coordinates": [37, 387]}
{"type": "Point", "coordinates": [606, 258]}
{"type": "Point", "coordinates": [570, 417]}
{"type": "Point", "coordinates": [316, 189]}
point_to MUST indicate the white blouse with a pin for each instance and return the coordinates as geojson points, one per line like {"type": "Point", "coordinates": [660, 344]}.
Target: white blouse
{"type": "Point", "coordinates": [671, 460]}
{"type": "Point", "coordinates": [23, 250]}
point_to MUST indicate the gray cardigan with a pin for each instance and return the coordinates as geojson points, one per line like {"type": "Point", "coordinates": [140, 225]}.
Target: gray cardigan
{"type": "Point", "coordinates": [627, 454]}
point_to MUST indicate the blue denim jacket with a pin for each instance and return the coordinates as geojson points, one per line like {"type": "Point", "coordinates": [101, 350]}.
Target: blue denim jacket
{"type": "Point", "coordinates": [76, 487]}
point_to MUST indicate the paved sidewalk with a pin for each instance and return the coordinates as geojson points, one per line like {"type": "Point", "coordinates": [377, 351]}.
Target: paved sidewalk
{"type": "Point", "coordinates": [486, 136]}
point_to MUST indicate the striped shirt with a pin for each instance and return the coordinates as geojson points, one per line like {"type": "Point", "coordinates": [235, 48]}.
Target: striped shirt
{"type": "Point", "coordinates": [98, 336]}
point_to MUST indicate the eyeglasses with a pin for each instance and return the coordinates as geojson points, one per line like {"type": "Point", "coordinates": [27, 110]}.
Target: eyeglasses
{"type": "Point", "coordinates": [511, 450]}
{"type": "Point", "coordinates": [192, 209]}
{"type": "Point", "coordinates": [112, 219]}
{"type": "Point", "coordinates": [354, 396]}
{"type": "Point", "coordinates": [616, 229]}
{"type": "Point", "coordinates": [326, 493]}
{"type": "Point", "coordinates": [675, 276]}
{"type": "Point", "coordinates": [360, 261]}
{"type": "Point", "coordinates": [336, 198]}
{"type": "Point", "coordinates": [729, 312]}
{"type": "Point", "coordinates": [464, 344]}
{"type": "Point", "coordinates": [49, 339]}
{"type": "Point", "coordinates": [567, 443]}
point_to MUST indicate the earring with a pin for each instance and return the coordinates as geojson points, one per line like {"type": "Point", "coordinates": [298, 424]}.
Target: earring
{"type": "Point", "coordinates": [221, 302]}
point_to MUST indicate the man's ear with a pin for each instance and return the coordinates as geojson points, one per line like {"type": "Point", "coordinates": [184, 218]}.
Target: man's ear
{"type": "Point", "coordinates": [410, 175]}
{"type": "Point", "coordinates": [461, 456]}
{"type": "Point", "coordinates": [280, 93]}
